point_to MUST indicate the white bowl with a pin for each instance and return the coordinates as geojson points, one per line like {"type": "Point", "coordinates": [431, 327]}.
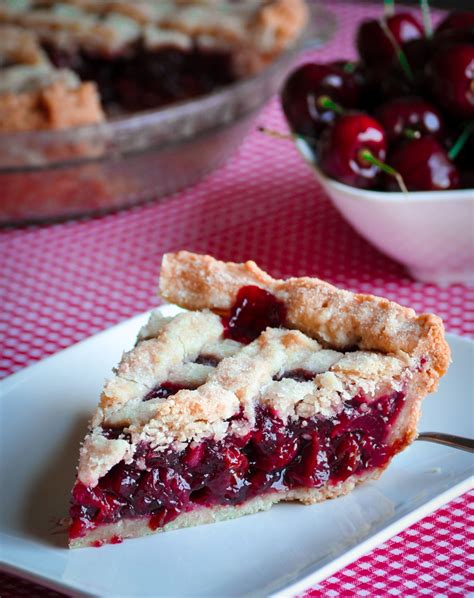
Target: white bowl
{"type": "Point", "coordinates": [430, 232]}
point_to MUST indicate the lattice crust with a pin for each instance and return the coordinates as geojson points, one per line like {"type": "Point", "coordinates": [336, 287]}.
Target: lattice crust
{"type": "Point", "coordinates": [337, 318]}
{"type": "Point", "coordinates": [34, 94]}
{"type": "Point", "coordinates": [222, 399]}
{"type": "Point", "coordinates": [255, 31]}
{"type": "Point", "coordinates": [20, 47]}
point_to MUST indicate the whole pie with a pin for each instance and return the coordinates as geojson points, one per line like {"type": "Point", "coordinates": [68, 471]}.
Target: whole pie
{"type": "Point", "coordinates": [263, 390]}
{"type": "Point", "coordinates": [96, 57]}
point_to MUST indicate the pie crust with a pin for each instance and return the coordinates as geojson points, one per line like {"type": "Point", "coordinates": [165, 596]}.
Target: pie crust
{"type": "Point", "coordinates": [193, 382]}
{"type": "Point", "coordinates": [34, 94]}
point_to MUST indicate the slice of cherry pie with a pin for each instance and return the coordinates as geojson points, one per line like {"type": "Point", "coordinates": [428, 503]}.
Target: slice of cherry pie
{"type": "Point", "coordinates": [266, 390]}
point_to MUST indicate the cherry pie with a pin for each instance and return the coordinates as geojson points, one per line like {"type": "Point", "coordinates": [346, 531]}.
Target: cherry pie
{"type": "Point", "coordinates": [137, 55]}
{"type": "Point", "coordinates": [265, 390]}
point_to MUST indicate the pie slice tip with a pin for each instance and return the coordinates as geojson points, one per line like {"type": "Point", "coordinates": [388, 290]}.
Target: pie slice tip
{"type": "Point", "coordinates": [265, 390]}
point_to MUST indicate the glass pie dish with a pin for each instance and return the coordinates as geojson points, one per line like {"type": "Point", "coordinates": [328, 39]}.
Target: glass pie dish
{"type": "Point", "coordinates": [49, 175]}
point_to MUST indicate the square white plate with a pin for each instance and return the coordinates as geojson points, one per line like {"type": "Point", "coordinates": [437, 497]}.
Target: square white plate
{"type": "Point", "coordinates": [44, 413]}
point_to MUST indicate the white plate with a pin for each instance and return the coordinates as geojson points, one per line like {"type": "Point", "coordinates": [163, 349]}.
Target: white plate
{"type": "Point", "coordinates": [45, 409]}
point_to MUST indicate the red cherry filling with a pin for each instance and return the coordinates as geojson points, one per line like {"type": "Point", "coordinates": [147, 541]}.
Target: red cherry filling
{"type": "Point", "coordinates": [305, 453]}
{"type": "Point", "coordinates": [299, 375]}
{"type": "Point", "coordinates": [254, 310]}
{"type": "Point", "coordinates": [210, 360]}
{"type": "Point", "coordinates": [145, 79]}
{"type": "Point", "coordinates": [165, 390]}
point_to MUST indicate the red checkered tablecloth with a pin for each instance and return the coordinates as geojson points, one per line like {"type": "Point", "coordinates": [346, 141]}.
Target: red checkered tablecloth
{"type": "Point", "coordinates": [63, 282]}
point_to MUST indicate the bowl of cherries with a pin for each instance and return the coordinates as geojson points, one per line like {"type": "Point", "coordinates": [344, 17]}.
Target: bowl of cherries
{"type": "Point", "coordinates": [391, 139]}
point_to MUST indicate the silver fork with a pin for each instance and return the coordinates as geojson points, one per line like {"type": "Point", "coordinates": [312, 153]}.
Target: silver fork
{"type": "Point", "coordinates": [459, 442]}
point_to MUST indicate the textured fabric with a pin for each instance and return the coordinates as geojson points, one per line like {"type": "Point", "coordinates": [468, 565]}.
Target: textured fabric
{"type": "Point", "coordinates": [64, 282]}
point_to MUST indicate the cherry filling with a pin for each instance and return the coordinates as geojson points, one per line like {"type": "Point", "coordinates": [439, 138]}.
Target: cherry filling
{"type": "Point", "coordinates": [254, 310]}
{"type": "Point", "coordinates": [210, 360]}
{"type": "Point", "coordinates": [300, 375]}
{"type": "Point", "coordinates": [306, 453]}
{"type": "Point", "coordinates": [165, 390]}
{"type": "Point", "coordinates": [142, 78]}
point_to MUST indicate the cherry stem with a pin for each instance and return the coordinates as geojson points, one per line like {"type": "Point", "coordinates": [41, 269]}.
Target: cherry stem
{"type": "Point", "coordinates": [369, 157]}
{"type": "Point", "coordinates": [276, 134]}
{"type": "Point", "coordinates": [326, 102]}
{"type": "Point", "coordinates": [411, 133]}
{"type": "Point", "coordinates": [349, 67]}
{"type": "Point", "coordinates": [426, 15]}
{"type": "Point", "coordinates": [285, 136]}
{"type": "Point", "coordinates": [461, 141]}
{"type": "Point", "coordinates": [389, 7]}
{"type": "Point", "coordinates": [402, 58]}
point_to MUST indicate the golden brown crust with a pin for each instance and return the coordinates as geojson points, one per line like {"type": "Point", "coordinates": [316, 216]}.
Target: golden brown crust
{"type": "Point", "coordinates": [339, 319]}
{"type": "Point", "coordinates": [265, 29]}
{"type": "Point", "coordinates": [19, 46]}
{"type": "Point", "coordinates": [54, 107]}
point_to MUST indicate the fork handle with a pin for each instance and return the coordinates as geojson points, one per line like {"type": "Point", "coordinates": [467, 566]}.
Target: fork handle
{"type": "Point", "coordinates": [459, 442]}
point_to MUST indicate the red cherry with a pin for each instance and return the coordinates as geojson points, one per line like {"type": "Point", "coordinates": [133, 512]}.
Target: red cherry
{"type": "Point", "coordinates": [457, 26]}
{"type": "Point", "coordinates": [400, 114]}
{"type": "Point", "coordinates": [424, 166]}
{"type": "Point", "coordinates": [304, 87]}
{"type": "Point", "coordinates": [463, 157]}
{"type": "Point", "coordinates": [384, 85]}
{"type": "Point", "coordinates": [450, 75]}
{"type": "Point", "coordinates": [418, 51]}
{"type": "Point", "coordinates": [375, 46]}
{"type": "Point", "coordinates": [254, 310]}
{"type": "Point", "coordinates": [342, 145]}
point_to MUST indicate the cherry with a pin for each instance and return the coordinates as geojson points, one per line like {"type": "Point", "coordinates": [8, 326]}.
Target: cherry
{"type": "Point", "coordinates": [450, 75]}
{"type": "Point", "coordinates": [418, 51]}
{"type": "Point", "coordinates": [342, 148]}
{"type": "Point", "coordinates": [424, 165]}
{"type": "Point", "coordinates": [467, 178]}
{"type": "Point", "coordinates": [274, 445]}
{"type": "Point", "coordinates": [460, 142]}
{"type": "Point", "coordinates": [303, 88]}
{"type": "Point", "coordinates": [254, 310]}
{"type": "Point", "coordinates": [165, 390]}
{"type": "Point", "coordinates": [347, 456]}
{"type": "Point", "coordinates": [406, 116]}
{"type": "Point", "coordinates": [122, 480]}
{"type": "Point", "coordinates": [457, 26]}
{"type": "Point", "coordinates": [354, 71]}
{"type": "Point", "coordinates": [310, 468]}
{"type": "Point", "coordinates": [384, 85]}
{"type": "Point", "coordinates": [375, 46]}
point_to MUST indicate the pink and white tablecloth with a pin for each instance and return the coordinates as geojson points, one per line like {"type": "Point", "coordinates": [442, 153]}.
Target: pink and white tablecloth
{"type": "Point", "coordinates": [63, 282]}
